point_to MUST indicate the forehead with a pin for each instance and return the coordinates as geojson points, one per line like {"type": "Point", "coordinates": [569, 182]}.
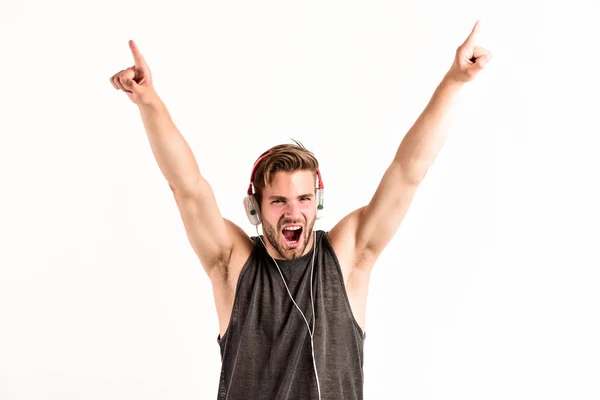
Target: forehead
{"type": "Point", "coordinates": [291, 183]}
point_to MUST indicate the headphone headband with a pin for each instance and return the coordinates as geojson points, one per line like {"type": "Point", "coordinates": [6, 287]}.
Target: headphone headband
{"type": "Point", "coordinates": [253, 170]}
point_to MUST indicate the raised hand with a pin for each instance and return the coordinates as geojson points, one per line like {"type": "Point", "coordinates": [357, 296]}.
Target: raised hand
{"type": "Point", "coordinates": [470, 58]}
{"type": "Point", "coordinates": [136, 81]}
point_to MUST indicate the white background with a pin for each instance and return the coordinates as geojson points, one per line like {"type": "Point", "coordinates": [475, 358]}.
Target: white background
{"type": "Point", "coordinates": [489, 290]}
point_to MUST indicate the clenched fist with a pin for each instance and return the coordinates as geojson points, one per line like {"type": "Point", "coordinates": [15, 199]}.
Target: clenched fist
{"type": "Point", "coordinates": [136, 81]}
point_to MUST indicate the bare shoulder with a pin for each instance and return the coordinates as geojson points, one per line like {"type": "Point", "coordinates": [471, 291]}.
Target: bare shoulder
{"type": "Point", "coordinates": [355, 261]}
{"type": "Point", "coordinates": [242, 246]}
{"type": "Point", "coordinates": [224, 278]}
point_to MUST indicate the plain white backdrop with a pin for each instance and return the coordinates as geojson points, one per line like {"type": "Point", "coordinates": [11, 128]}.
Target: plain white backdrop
{"type": "Point", "coordinates": [489, 290]}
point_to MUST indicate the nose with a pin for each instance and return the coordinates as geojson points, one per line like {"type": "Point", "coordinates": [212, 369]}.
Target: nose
{"type": "Point", "coordinates": [292, 210]}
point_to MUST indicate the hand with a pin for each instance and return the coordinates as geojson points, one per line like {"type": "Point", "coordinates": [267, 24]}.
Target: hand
{"type": "Point", "coordinates": [136, 81]}
{"type": "Point", "coordinates": [469, 60]}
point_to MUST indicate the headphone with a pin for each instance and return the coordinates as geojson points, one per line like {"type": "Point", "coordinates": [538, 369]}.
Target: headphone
{"type": "Point", "coordinates": [253, 208]}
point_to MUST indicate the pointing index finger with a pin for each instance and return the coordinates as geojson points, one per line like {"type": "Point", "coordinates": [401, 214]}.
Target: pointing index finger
{"type": "Point", "coordinates": [137, 55]}
{"type": "Point", "coordinates": [473, 35]}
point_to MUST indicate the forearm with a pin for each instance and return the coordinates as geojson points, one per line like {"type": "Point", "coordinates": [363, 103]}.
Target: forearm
{"type": "Point", "coordinates": [424, 140]}
{"type": "Point", "coordinates": [173, 155]}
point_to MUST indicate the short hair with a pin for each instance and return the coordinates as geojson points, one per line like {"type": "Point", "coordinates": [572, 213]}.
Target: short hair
{"type": "Point", "coordinates": [282, 158]}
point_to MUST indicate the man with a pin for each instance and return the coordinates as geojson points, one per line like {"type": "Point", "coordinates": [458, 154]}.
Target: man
{"type": "Point", "coordinates": [291, 308]}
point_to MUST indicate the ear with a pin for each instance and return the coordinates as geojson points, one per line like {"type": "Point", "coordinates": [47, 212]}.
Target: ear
{"type": "Point", "coordinates": [252, 210]}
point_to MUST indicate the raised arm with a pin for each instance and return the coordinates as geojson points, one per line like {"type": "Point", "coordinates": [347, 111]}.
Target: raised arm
{"type": "Point", "coordinates": [369, 229]}
{"type": "Point", "coordinates": [211, 236]}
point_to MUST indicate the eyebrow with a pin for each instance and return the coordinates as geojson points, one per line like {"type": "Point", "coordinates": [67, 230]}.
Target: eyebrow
{"type": "Point", "coordinates": [285, 198]}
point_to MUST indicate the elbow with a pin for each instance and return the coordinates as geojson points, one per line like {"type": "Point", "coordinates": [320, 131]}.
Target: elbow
{"type": "Point", "coordinates": [413, 172]}
{"type": "Point", "coordinates": [189, 188]}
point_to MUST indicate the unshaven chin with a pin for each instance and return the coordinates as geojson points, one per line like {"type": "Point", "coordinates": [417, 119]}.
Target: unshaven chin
{"type": "Point", "coordinates": [298, 233]}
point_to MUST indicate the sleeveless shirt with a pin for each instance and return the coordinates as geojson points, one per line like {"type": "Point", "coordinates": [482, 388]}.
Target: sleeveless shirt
{"type": "Point", "coordinates": [266, 349]}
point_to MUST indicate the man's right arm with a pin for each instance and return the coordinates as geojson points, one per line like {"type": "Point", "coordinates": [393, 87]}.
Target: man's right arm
{"type": "Point", "coordinates": [214, 239]}
{"type": "Point", "coordinates": [206, 229]}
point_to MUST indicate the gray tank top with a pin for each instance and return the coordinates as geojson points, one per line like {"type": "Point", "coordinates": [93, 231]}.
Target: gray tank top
{"type": "Point", "coordinates": [266, 351]}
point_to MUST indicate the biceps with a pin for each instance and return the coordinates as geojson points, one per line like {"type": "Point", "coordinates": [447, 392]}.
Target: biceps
{"type": "Point", "coordinates": [206, 229]}
{"type": "Point", "coordinates": [381, 218]}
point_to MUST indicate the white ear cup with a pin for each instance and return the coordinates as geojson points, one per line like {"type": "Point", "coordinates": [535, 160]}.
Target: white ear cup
{"type": "Point", "coordinates": [252, 210]}
{"type": "Point", "coordinates": [320, 206]}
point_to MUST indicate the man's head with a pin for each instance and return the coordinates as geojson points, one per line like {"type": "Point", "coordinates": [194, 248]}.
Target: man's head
{"type": "Point", "coordinates": [285, 184]}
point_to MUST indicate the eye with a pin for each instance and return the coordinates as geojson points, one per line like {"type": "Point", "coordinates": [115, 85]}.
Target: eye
{"type": "Point", "coordinates": [276, 201]}
{"type": "Point", "coordinates": [306, 198]}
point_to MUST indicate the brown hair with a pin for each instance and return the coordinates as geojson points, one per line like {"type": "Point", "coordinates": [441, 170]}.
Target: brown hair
{"type": "Point", "coordinates": [284, 158]}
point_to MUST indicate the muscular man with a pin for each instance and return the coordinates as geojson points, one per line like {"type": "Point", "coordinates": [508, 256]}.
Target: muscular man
{"type": "Point", "coordinates": [291, 304]}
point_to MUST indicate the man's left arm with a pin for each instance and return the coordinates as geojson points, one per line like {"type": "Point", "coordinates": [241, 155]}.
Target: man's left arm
{"type": "Point", "coordinates": [373, 226]}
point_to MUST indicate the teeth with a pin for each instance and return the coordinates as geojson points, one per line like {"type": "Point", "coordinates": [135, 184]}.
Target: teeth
{"type": "Point", "coordinates": [292, 228]}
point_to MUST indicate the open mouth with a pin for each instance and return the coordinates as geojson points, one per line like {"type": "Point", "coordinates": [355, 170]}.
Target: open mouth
{"type": "Point", "coordinates": [292, 235]}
